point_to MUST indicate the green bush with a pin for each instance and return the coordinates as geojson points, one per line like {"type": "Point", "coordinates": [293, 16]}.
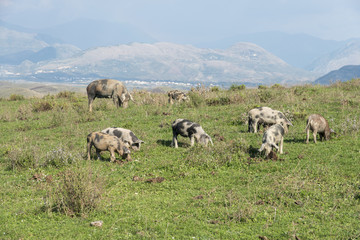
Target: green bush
{"type": "Point", "coordinates": [235, 87]}
{"type": "Point", "coordinates": [16, 97]}
{"type": "Point", "coordinates": [196, 99]}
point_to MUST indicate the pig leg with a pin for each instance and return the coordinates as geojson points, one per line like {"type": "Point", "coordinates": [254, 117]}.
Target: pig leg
{"type": "Point", "coordinates": [174, 141]}
{"type": "Point", "coordinates": [192, 140]}
{"type": "Point", "coordinates": [307, 135]}
{"type": "Point", "coordinates": [112, 154]}
{"type": "Point", "coordinates": [281, 145]}
{"type": "Point", "coordinates": [314, 135]}
{"type": "Point", "coordinates": [98, 154]}
{"type": "Point", "coordinates": [89, 145]}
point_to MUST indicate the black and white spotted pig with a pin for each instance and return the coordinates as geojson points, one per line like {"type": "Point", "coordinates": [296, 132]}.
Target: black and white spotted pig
{"type": "Point", "coordinates": [271, 137]}
{"type": "Point", "coordinates": [125, 135]}
{"type": "Point", "coordinates": [106, 142]}
{"type": "Point", "coordinates": [189, 129]}
{"type": "Point", "coordinates": [318, 125]}
{"type": "Point", "coordinates": [266, 116]}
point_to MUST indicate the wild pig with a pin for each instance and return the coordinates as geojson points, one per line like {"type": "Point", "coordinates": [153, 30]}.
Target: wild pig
{"type": "Point", "coordinates": [189, 129]}
{"type": "Point", "coordinates": [318, 124]}
{"type": "Point", "coordinates": [271, 138]}
{"type": "Point", "coordinates": [108, 88]}
{"type": "Point", "coordinates": [178, 96]}
{"type": "Point", "coordinates": [266, 116]}
{"type": "Point", "coordinates": [105, 142]}
{"type": "Point", "coordinates": [126, 136]}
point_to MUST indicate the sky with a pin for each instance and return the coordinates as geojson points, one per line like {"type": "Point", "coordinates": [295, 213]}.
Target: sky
{"type": "Point", "coordinates": [196, 20]}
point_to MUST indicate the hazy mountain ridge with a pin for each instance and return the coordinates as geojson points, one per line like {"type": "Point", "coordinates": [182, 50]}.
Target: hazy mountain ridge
{"type": "Point", "coordinates": [343, 74]}
{"type": "Point", "coordinates": [244, 62]}
{"type": "Point", "coordinates": [40, 57]}
{"type": "Point", "coordinates": [349, 54]}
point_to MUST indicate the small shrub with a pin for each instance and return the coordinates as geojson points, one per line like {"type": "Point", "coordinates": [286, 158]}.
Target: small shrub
{"type": "Point", "coordinates": [277, 86]}
{"type": "Point", "coordinates": [262, 87]}
{"type": "Point", "coordinates": [265, 95]}
{"type": "Point", "coordinates": [218, 101]}
{"type": "Point", "coordinates": [350, 125]}
{"type": "Point", "coordinates": [214, 89]}
{"type": "Point", "coordinates": [16, 97]}
{"type": "Point", "coordinates": [22, 158]}
{"type": "Point", "coordinates": [76, 193]}
{"type": "Point", "coordinates": [65, 94]}
{"type": "Point", "coordinates": [235, 87]}
{"type": "Point", "coordinates": [59, 158]}
{"type": "Point", "coordinates": [24, 113]}
{"type": "Point", "coordinates": [196, 99]}
{"type": "Point", "coordinates": [42, 106]}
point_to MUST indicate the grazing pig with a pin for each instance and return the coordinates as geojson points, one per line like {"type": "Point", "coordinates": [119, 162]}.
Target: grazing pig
{"type": "Point", "coordinates": [189, 129]}
{"type": "Point", "coordinates": [106, 142]}
{"type": "Point", "coordinates": [176, 95]}
{"type": "Point", "coordinates": [266, 116]}
{"type": "Point", "coordinates": [271, 137]}
{"type": "Point", "coordinates": [318, 124]}
{"type": "Point", "coordinates": [108, 88]}
{"type": "Point", "coordinates": [125, 135]}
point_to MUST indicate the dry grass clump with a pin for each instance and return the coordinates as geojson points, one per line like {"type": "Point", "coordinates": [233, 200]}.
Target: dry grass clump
{"type": "Point", "coordinates": [76, 192]}
{"type": "Point", "coordinates": [143, 97]}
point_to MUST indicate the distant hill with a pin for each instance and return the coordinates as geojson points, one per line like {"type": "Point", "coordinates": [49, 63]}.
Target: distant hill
{"type": "Point", "coordinates": [299, 50]}
{"type": "Point", "coordinates": [343, 74]}
{"type": "Point", "coordinates": [18, 45]}
{"type": "Point", "coordinates": [348, 54]}
{"type": "Point", "coordinates": [166, 62]}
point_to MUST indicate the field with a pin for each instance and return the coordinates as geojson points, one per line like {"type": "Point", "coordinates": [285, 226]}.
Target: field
{"type": "Point", "coordinates": [48, 190]}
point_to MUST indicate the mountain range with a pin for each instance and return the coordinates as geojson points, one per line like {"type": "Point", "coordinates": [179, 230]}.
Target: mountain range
{"type": "Point", "coordinates": [84, 50]}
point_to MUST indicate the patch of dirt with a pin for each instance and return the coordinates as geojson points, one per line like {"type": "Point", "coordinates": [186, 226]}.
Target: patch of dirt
{"type": "Point", "coordinates": [219, 137]}
{"type": "Point", "coordinates": [37, 177]}
{"type": "Point", "coordinates": [199, 197]}
{"type": "Point", "coordinates": [155, 180]}
{"type": "Point", "coordinates": [214, 221]}
{"type": "Point", "coordinates": [272, 155]}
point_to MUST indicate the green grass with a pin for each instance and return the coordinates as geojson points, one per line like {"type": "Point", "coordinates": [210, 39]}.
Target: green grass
{"type": "Point", "coordinates": [226, 191]}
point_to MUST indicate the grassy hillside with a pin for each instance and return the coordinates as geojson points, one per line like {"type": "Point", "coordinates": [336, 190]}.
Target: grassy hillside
{"type": "Point", "coordinates": [48, 190]}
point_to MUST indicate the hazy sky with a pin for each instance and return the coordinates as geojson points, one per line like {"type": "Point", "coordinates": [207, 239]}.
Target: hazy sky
{"type": "Point", "coordinates": [196, 20]}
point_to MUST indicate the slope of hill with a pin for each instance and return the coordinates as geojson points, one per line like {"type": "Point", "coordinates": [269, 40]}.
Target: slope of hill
{"type": "Point", "coordinates": [299, 50]}
{"type": "Point", "coordinates": [343, 74]}
{"type": "Point", "coordinates": [349, 54]}
{"type": "Point", "coordinates": [242, 63]}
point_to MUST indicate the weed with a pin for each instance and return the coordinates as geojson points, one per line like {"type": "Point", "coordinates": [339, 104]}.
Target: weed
{"type": "Point", "coordinates": [214, 89]}
{"type": "Point", "coordinates": [59, 157]}
{"type": "Point", "coordinates": [76, 193]}
{"type": "Point", "coordinates": [65, 94]}
{"type": "Point", "coordinates": [22, 158]}
{"type": "Point", "coordinates": [235, 87]}
{"type": "Point", "coordinates": [16, 97]}
{"type": "Point", "coordinates": [24, 113]}
{"type": "Point", "coordinates": [218, 101]}
{"type": "Point", "coordinates": [196, 99]}
{"type": "Point", "coordinates": [42, 106]}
